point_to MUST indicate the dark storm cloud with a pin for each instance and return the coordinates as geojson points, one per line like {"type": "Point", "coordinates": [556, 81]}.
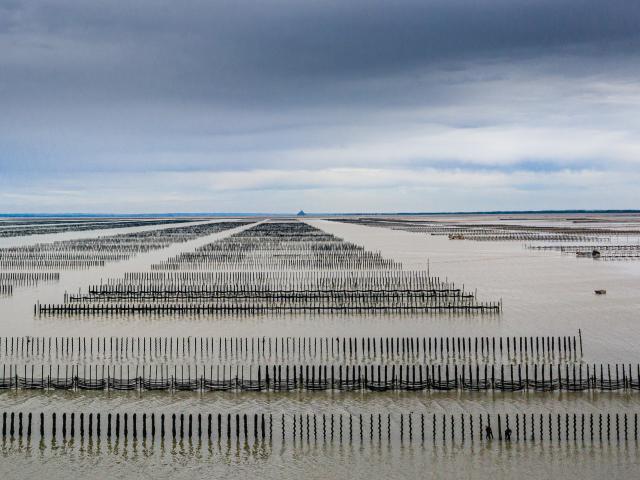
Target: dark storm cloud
{"type": "Point", "coordinates": [236, 52]}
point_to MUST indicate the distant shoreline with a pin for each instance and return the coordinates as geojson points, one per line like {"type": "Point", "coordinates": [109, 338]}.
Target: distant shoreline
{"type": "Point", "coordinates": [321, 214]}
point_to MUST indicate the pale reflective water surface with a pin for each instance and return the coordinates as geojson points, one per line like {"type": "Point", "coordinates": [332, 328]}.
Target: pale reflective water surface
{"type": "Point", "coordinates": [543, 293]}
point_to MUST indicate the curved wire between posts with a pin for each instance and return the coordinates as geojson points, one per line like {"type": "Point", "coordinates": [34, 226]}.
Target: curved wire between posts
{"type": "Point", "coordinates": [314, 378]}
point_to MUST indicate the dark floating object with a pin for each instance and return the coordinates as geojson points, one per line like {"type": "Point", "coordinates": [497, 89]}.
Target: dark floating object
{"type": "Point", "coordinates": [601, 292]}
{"type": "Point", "coordinates": [592, 254]}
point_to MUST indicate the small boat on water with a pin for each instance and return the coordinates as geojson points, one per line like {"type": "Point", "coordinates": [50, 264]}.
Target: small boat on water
{"type": "Point", "coordinates": [592, 254]}
{"type": "Point", "coordinates": [601, 292]}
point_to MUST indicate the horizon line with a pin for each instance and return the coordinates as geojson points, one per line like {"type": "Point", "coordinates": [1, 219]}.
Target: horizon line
{"type": "Point", "coordinates": [307, 214]}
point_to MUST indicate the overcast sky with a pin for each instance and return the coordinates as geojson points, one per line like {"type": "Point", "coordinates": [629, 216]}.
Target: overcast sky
{"type": "Point", "coordinates": [349, 105]}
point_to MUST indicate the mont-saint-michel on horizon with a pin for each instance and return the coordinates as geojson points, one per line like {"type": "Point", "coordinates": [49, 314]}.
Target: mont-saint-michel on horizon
{"type": "Point", "coordinates": [323, 239]}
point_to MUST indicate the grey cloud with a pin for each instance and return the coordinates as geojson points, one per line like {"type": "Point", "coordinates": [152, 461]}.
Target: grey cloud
{"type": "Point", "coordinates": [235, 86]}
{"type": "Point", "coordinates": [238, 52]}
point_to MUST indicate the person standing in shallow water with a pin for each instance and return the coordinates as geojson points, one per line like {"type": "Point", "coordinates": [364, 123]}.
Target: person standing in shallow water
{"type": "Point", "coordinates": [488, 432]}
{"type": "Point", "coordinates": [507, 434]}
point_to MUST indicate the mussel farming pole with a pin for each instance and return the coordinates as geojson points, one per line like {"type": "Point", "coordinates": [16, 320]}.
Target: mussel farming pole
{"type": "Point", "coordinates": [499, 428]}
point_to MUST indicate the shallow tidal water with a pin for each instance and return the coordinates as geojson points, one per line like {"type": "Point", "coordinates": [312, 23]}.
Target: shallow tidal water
{"type": "Point", "coordinates": [543, 293]}
{"type": "Point", "coordinates": [194, 460]}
